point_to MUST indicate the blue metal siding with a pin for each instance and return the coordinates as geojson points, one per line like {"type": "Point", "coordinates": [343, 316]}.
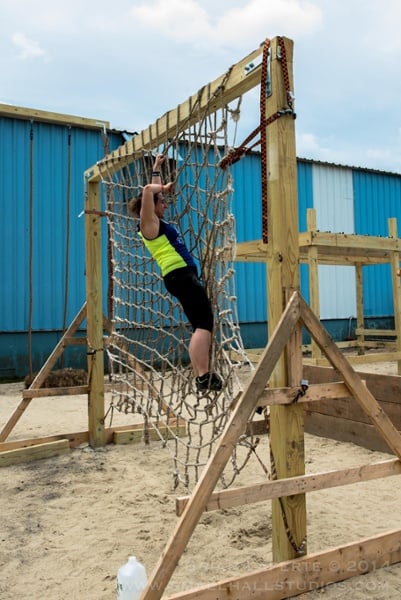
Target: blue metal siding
{"type": "Point", "coordinates": [14, 238]}
{"type": "Point", "coordinates": [305, 201]}
{"type": "Point", "coordinates": [377, 197]}
{"type": "Point", "coordinates": [42, 168]}
{"type": "Point", "coordinates": [250, 278]}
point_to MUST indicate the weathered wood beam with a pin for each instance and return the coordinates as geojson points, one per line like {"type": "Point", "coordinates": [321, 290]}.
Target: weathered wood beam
{"type": "Point", "coordinates": [238, 80]}
{"type": "Point", "coordinates": [251, 494]}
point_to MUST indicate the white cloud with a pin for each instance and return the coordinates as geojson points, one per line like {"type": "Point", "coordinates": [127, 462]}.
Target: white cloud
{"type": "Point", "coordinates": [182, 20]}
{"type": "Point", "coordinates": [291, 17]}
{"type": "Point", "coordinates": [308, 146]}
{"type": "Point", "coordinates": [187, 21]}
{"type": "Point", "coordinates": [130, 62]}
{"type": "Point", "coordinates": [27, 48]}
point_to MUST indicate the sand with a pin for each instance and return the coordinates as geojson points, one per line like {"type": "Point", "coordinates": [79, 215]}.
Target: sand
{"type": "Point", "coordinates": [68, 523]}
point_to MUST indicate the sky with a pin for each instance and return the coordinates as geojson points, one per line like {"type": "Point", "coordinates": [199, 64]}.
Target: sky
{"type": "Point", "coordinates": [130, 61]}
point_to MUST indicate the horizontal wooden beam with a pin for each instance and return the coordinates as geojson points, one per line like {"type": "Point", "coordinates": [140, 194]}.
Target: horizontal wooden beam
{"type": "Point", "coordinates": [374, 332]}
{"type": "Point", "coordinates": [301, 484]}
{"type": "Point", "coordinates": [136, 434]}
{"type": "Point", "coordinates": [45, 392]}
{"type": "Point", "coordinates": [309, 573]}
{"type": "Point", "coordinates": [349, 241]}
{"type": "Point", "coordinates": [36, 452]}
{"type": "Point", "coordinates": [345, 430]}
{"type": "Point", "coordinates": [332, 248]}
{"type": "Point", "coordinates": [45, 116]}
{"type": "Point", "coordinates": [121, 433]}
{"type": "Point", "coordinates": [238, 80]}
{"type": "Point", "coordinates": [313, 393]}
{"type": "Point", "coordinates": [358, 360]}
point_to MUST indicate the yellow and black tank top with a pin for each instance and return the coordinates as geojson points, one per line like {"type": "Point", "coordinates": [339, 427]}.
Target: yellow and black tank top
{"type": "Point", "coordinates": [168, 249]}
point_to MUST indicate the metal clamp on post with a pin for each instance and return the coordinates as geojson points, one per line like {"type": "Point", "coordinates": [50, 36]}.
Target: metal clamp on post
{"type": "Point", "coordinates": [302, 390]}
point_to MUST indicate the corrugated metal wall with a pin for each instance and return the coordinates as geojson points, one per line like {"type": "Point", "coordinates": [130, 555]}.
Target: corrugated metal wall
{"type": "Point", "coordinates": [346, 199]}
{"type": "Point", "coordinates": [377, 197]}
{"type": "Point", "coordinates": [334, 204]}
{"type": "Point", "coordinates": [42, 247]}
{"type": "Point", "coordinates": [251, 277]}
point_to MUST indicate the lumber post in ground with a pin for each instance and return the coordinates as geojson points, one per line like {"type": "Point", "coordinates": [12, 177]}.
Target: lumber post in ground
{"type": "Point", "coordinates": [94, 315]}
{"type": "Point", "coordinates": [287, 434]}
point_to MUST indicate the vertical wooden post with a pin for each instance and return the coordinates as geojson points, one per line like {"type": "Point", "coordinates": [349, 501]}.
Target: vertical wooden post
{"type": "Point", "coordinates": [287, 433]}
{"type": "Point", "coordinates": [396, 282]}
{"type": "Point", "coordinates": [313, 265]}
{"type": "Point", "coordinates": [94, 314]}
{"type": "Point", "coordinates": [360, 311]}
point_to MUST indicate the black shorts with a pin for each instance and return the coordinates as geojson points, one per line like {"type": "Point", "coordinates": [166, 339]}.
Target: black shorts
{"type": "Point", "coordinates": [184, 284]}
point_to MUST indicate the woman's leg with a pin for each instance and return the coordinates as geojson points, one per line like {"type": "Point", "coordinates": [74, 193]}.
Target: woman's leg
{"type": "Point", "coordinates": [199, 349]}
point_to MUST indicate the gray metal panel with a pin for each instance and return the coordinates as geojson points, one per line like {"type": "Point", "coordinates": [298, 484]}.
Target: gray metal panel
{"type": "Point", "coordinates": [333, 199]}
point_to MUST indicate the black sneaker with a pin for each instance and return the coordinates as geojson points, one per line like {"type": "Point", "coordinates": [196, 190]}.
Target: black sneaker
{"type": "Point", "coordinates": [209, 381]}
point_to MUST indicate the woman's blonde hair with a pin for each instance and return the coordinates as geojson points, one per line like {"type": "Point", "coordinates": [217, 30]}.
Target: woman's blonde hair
{"type": "Point", "coordinates": [134, 206]}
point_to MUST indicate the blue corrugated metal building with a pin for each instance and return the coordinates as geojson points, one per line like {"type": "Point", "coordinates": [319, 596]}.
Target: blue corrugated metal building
{"type": "Point", "coordinates": [346, 199]}
{"type": "Point", "coordinates": [42, 247]}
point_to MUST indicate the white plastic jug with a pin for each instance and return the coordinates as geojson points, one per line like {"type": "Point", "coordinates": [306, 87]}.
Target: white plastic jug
{"type": "Point", "coordinates": [131, 580]}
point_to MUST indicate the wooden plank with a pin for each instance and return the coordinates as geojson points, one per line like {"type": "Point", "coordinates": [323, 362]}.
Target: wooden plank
{"type": "Point", "coordinates": [327, 254]}
{"type": "Point", "coordinates": [75, 439]}
{"type": "Point", "coordinates": [137, 434]}
{"type": "Point", "coordinates": [349, 241]}
{"type": "Point", "coordinates": [94, 316]}
{"type": "Point", "coordinates": [313, 271]}
{"type": "Point", "coordinates": [13, 420]}
{"type": "Point", "coordinates": [344, 430]}
{"type": "Point", "coordinates": [315, 393]}
{"type": "Point", "coordinates": [44, 116]}
{"type": "Point", "coordinates": [74, 390]}
{"type": "Point", "coordinates": [39, 451]}
{"type": "Point", "coordinates": [251, 251]}
{"type": "Point", "coordinates": [375, 332]}
{"type": "Point", "coordinates": [58, 349]}
{"type": "Point", "coordinates": [286, 422]}
{"type": "Point", "coordinates": [41, 376]}
{"type": "Point", "coordinates": [385, 388]}
{"type": "Point", "coordinates": [313, 482]}
{"type": "Point", "coordinates": [223, 450]}
{"type": "Point", "coordinates": [291, 578]}
{"type": "Point", "coordinates": [352, 380]}
{"type": "Point", "coordinates": [238, 80]}
{"type": "Point", "coordinates": [359, 360]}
{"type": "Point", "coordinates": [396, 287]}
{"type": "Point", "coordinates": [348, 408]}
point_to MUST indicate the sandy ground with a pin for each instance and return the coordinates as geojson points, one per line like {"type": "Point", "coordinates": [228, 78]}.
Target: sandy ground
{"type": "Point", "coordinates": [68, 523]}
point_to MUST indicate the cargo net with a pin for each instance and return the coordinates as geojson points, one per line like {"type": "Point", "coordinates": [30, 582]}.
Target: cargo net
{"type": "Point", "coordinates": [148, 347]}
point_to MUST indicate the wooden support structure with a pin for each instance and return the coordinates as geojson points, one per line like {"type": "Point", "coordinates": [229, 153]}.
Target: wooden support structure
{"type": "Point", "coordinates": [291, 578]}
{"type": "Point", "coordinates": [251, 494]}
{"type": "Point", "coordinates": [343, 419]}
{"type": "Point", "coordinates": [94, 315]}
{"type": "Point", "coordinates": [296, 312]}
{"type": "Point", "coordinates": [286, 423]}
{"type": "Point", "coordinates": [34, 452]}
{"type": "Point", "coordinates": [280, 365]}
{"type": "Point", "coordinates": [28, 449]}
{"type": "Point", "coordinates": [35, 387]}
{"type": "Point", "coordinates": [361, 251]}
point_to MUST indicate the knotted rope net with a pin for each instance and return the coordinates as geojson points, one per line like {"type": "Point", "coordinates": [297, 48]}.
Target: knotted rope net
{"type": "Point", "coordinates": [148, 347]}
